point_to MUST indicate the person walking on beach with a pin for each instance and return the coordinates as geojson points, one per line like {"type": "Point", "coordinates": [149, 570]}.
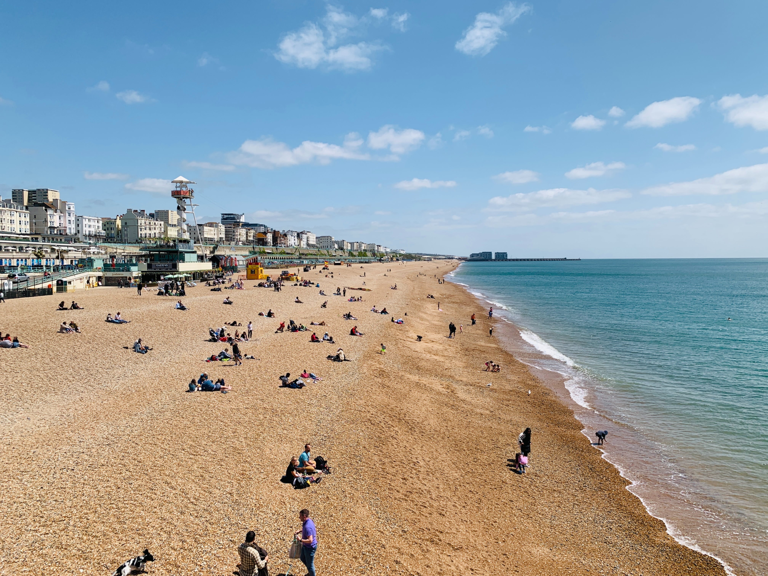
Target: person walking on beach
{"type": "Point", "coordinates": [139, 286]}
{"type": "Point", "coordinates": [236, 355]}
{"type": "Point", "coordinates": [250, 330]}
{"type": "Point", "coordinates": [490, 312]}
{"type": "Point", "coordinates": [308, 541]}
{"type": "Point", "coordinates": [2, 296]}
{"type": "Point", "coordinates": [490, 332]}
{"type": "Point", "coordinates": [474, 320]}
{"type": "Point", "coordinates": [451, 330]}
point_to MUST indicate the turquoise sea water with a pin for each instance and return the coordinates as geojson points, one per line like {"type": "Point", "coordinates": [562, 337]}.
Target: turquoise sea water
{"type": "Point", "coordinates": [646, 350]}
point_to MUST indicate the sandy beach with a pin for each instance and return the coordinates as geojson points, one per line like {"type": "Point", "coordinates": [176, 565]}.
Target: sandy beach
{"type": "Point", "coordinates": [105, 453]}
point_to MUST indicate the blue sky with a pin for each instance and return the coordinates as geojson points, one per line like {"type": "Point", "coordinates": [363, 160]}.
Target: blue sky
{"type": "Point", "coordinates": [581, 129]}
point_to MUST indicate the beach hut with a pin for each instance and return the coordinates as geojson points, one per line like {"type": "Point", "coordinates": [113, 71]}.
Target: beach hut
{"type": "Point", "coordinates": [254, 270]}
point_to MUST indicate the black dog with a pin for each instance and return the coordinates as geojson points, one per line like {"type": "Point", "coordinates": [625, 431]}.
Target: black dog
{"type": "Point", "coordinates": [135, 565]}
{"type": "Point", "coordinates": [601, 434]}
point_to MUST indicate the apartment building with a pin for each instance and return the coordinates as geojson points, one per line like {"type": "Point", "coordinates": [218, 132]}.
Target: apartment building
{"type": "Point", "coordinates": [28, 197]}
{"type": "Point", "coordinates": [89, 228]}
{"type": "Point", "coordinates": [170, 220]}
{"type": "Point", "coordinates": [211, 232]}
{"type": "Point", "coordinates": [13, 217]}
{"type": "Point", "coordinates": [308, 240]}
{"type": "Point", "coordinates": [326, 243]}
{"type": "Point", "coordinates": [138, 227]}
{"type": "Point", "coordinates": [235, 234]}
{"type": "Point", "coordinates": [291, 238]}
{"type": "Point", "coordinates": [45, 219]}
{"type": "Point", "coordinates": [112, 228]}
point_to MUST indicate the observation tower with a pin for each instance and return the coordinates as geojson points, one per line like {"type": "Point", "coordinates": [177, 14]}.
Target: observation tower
{"type": "Point", "coordinates": [184, 195]}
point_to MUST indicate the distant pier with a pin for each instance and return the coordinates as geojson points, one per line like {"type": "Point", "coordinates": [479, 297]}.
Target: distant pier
{"type": "Point", "coordinates": [524, 260]}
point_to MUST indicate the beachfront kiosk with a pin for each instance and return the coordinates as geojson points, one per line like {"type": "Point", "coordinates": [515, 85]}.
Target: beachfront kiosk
{"type": "Point", "coordinates": [254, 270]}
{"type": "Point", "coordinates": [172, 259]}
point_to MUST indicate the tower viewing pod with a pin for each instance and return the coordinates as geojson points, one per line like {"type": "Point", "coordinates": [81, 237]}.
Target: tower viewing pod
{"type": "Point", "coordinates": [184, 195]}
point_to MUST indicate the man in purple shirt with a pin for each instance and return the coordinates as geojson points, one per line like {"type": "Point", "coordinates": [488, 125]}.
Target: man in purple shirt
{"type": "Point", "coordinates": [308, 541]}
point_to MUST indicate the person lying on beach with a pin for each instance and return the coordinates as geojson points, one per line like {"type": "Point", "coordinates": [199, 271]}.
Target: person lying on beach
{"type": "Point", "coordinates": [297, 301]}
{"type": "Point", "coordinates": [227, 300]}
{"type": "Point", "coordinates": [327, 338]}
{"type": "Point", "coordinates": [64, 329]}
{"type": "Point", "coordinates": [314, 338]}
{"type": "Point", "coordinates": [384, 311]}
{"type": "Point", "coordinates": [233, 323]}
{"type": "Point", "coordinates": [348, 316]}
{"type": "Point", "coordinates": [8, 343]}
{"type": "Point", "coordinates": [180, 306]}
{"type": "Point", "coordinates": [140, 348]}
{"type": "Point", "coordinates": [398, 321]}
{"type": "Point", "coordinates": [306, 374]}
{"type": "Point", "coordinates": [285, 382]}
{"type": "Point", "coordinates": [280, 328]}
{"type": "Point", "coordinates": [62, 306]}
{"type": "Point", "coordinates": [324, 304]}
{"type": "Point", "coordinates": [76, 306]}
{"type": "Point", "coordinates": [313, 323]}
{"type": "Point", "coordinates": [207, 385]}
{"type": "Point", "coordinates": [374, 309]}
{"type": "Point", "coordinates": [355, 332]}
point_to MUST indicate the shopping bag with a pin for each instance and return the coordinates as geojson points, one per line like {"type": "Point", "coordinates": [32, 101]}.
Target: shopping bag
{"type": "Point", "coordinates": [295, 551]}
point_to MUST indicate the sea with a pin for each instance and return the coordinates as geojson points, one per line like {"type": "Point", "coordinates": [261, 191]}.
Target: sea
{"type": "Point", "coordinates": [671, 358]}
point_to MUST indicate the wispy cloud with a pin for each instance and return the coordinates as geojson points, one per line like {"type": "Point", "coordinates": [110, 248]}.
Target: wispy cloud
{"type": "Point", "coordinates": [745, 179]}
{"type": "Point", "coordinates": [132, 97]}
{"type": "Point", "coordinates": [206, 59]}
{"type": "Point", "coordinates": [320, 44]}
{"type": "Point", "coordinates": [483, 35]}
{"type": "Point", "coordinates": [398, 21]}
{"type": "Point", "coordinates": [665, 112]}
{"type": "Point", "coordinates": [518, 177]}
{"type": "Point", "coordinates": [594, 169]}
{"type": "Point", "coordinates": [555, 198]}
{"type": "Point", "coordinates": [397, 141]}
{"type": "Point", "coordinates": [102, 86]}
{"type": "Point", "coordinates": [268, 154]}
{"type": "Point", "coordinates": [208, 166]}
{"type": "Point", "coordinates": [670, 148]}
{"type": "Point", "coordinates": [105, 176]}
{"type": "Point", "coordinates": [542, 129]}
{"type": "Point", "coordinates": [151, 185]}
{"type": "Point", "coordinates": [751, 111]}
{"type": "Point", "coordinates": [435, 142]}
{"type": "Point", "coordinates": [485, 131]}
{"type": "Point", "coordinates": [461, 135]}
{"type": "Point", "coordinates": [419, 183]}
{"type": "Point", "coordinates": [587, 123]}
{"type": "Point", "coordinates": [616, 112]}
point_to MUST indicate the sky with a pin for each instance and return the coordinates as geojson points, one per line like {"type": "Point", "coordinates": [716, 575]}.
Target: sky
{"type": "Point", "coordinates": [592, 129]}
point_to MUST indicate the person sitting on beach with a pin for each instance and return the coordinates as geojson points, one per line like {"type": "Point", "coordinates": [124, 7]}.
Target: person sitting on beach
{"type": "Point", "coordinates": [209, 386]}
{"type": "Point", "coordinates": [285, 382]}
{"type": "Point", "coordinates": [76, 306]}
{"type": "Point", "coordinates": [306, 464]}
{"type": "Point", "coordinates": [355, 332]}
{"type": "Point", "coordinates": [322, 293]}
{"type": "Point", "coordinates": [339, 357]}
{"type": "Point", "coordinates": [117, 319]}
{"type": "Point", "coordinates": [348, 316]}
{"type": "Point", "coordinates": [374, 309]}
{"type": "Point", "coordinates": [62, 306]}
{"type": "Point", "coordinates": [297, 301]}
{"type": "Point", "coordinates": [74, 327]}
{"type": "Point", "coordinates": [64, 329]}
{"type": "Point", "coordinates": [314, 338]}
{"type": "Point", "coordinates": [324, 304]}
{"type": "Point", "coordinates": [140, 348]}
{"type": "Point", "coordinates": [227, 300]}
{"type": "Point", "coordinates": [253, 558]}
{"type": "Point", "coordinates": [224, 355]}
{"type": "Point", "coordinates": [280, 328]}
{"type": "Point", "coordinates": [384, 311]}
{"type": "Point", "coordinates": [270, 314]}
{"type": "Point", "coordinates": [293, 476]}
{"type": "Point", "coordinates": [180, 306]}
{"type": "Point", "coordinates": [327, 338]}
{"type": "Point", "coordinates": [495, 367]}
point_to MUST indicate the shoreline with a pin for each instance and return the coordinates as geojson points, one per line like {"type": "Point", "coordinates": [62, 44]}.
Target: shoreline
{"type": "Point", "coordinates": [583, 412]}
{"type": "Point", "coordinates": [417, 439]}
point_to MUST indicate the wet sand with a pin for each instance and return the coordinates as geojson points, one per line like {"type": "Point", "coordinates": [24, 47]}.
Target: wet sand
{"type": "Point", "coordinates": [105, 453]}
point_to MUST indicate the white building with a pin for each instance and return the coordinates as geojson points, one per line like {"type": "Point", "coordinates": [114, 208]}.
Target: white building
{"type": "Point", "coordinates": [212, 232]}
{"type": "Point", "coordinates": [235, 234]}
{"type": "Point", "coordinates": [89, 228]}
{"type": "Point", "coordinates": [342, 245]}
{"type": "Point", "coordinates": [46, 219]}
{"type": "Point", "coordinates": [326, 243]}
{"type": "Point", "coordinates": [13, 217]}
{"type": "Point", "coordinates": [308, 240]}
{"type": "Point", "coordinates": [291, 238]}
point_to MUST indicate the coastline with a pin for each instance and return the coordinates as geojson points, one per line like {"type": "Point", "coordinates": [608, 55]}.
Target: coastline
{"type": "Point", "coordinates": [528, 348]}
{"type": "Point", "coordinates": [417, 439]}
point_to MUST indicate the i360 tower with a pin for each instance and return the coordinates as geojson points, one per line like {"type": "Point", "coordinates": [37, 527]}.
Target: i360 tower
{"type": "Point", "coordinates": [184, 196]}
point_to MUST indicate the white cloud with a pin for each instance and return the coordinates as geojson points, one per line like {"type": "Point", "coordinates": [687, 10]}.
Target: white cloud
{"type": "Point", "coordinates": [482, 37]}
{"type": "Point", "coordinates": [616, 112]}
{"type": "Point", "coordinates": [131, 97]}
{"type": "Point", "coordinates": [763, 150]}
{"type": "Point", "coordinates": [587, 123]}
{"type": "Point", "coordinates": [461, 135]}
{"type": "Point", "coordinates": [485, 131]}
{"type": "Point", "coordinates": [670, 148]}
{"type": "Point", "coordinates": [665, 112]}
{"type": "Point", "coordinates": [104, 176]}
{"type": "Point", "coordinates": [206, 59]}
{"type": "Point", "coordinates": [153, 185]}
{"type": "Point", "coordinates": [594, 169]}
{"type": "Point", "coordinates": [399, 21]}
{"type": "Point", "coordinates": [542, 129]}
{"type": "Point", "coordinates": [436, 141]}
{"type": "Point", "coordinates": [556, 197]}
{"type": "Point", "coordinates": [745, 179]}
{"type": "Point", "coordinates": [268, 154]}
{"type": "Point", "coordinates": [319, 44]}
{"type": "Point", "coordinates": [751, 111]}
{"type": "Point", "coordinates": [102, 86]}
{"type": "Point", "coordinates": [518, 177]}
{"type": "Point", "coordinates": [397, 141]}
{"type": "Point", "coordinates": [208, 166]}
{"type": "Point", "coordinates": [418, 183]}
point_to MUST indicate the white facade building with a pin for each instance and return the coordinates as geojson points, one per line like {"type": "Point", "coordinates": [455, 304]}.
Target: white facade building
{"type": "Point", "coordinates": [138, 226]}
{"type": "Point", "coordinates": [89, 228]}
{"type": "Point", "coordinates": [46, 219]}
{"type": "Point", "coordinates": [291, 238]}
{"type": "Point", "coordinates": [308, 240]}
{"type": "Point", "coordinates": [326, 243]}
{"type": "Point", "coordinates": [13, 217]}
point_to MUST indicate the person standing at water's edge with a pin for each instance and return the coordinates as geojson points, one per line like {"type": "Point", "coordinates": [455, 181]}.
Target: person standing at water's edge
{"type": "Point", "coordinates": [490, 312]}
{"type": "Point", "coordinates": [308, 541]}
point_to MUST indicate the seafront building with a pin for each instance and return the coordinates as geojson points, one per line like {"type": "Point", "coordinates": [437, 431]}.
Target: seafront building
{"type": "Point", "coordinates": [13, 217]}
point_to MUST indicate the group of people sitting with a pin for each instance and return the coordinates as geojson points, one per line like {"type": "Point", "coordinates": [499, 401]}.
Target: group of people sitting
{"type": "Point", "coordinates": [70, 328]}
{"type": "Point", "coordinates": [305, 470]}
{"type": "Point", "coordinates": [292, 327]}
{"type": "Point", "coordinates": [269, 314]}
{"type": "Point", "coordinates": [491, 366]}
{"type": "Point", "coordinates": [205, 384]}
{"type": "Point", "coordinates": [73, 306]}
{"type": "Point", "coordinates": [221, 335]}
{"type": "Point", "coordinates": [172, 289]}
{"type": "Point", "coordinates": [141, 348]}
{"type": "Point", "coordinates": [326, 338]}
{"type": "Point", "coordinates": [296, 383]}
{"type": "Point", "coordinates": [355, 299]}
{"type": "Point", "coordinates": [8, 343]}
{"type": "Point", "coordinates": [117, 319]}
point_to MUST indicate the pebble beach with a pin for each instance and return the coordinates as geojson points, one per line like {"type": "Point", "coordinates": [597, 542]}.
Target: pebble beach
{"type": "Point", "coordinates": [106, 453]}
